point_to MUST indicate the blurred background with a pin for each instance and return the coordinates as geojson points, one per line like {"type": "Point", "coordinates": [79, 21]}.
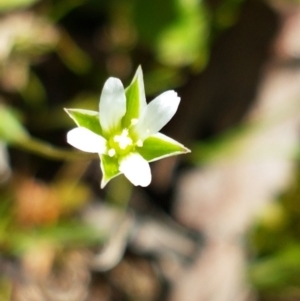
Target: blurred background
{"type": "Point", "coordinates": [219, 224]}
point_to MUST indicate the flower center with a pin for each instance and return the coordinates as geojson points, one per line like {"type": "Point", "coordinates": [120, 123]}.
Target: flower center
{"type": "Point", "coordinates": [120, 144]}
{"type": "Point", "coordinates": [123, 140]}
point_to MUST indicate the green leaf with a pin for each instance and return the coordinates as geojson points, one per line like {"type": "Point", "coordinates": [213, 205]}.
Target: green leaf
{"type": "Point", "coordinates": [65, 234]}
{"type": "Point", "coordinates": [135, 98]}
{"type": "Point", "coordinates": [6, 5]}
{"type": "Point", "coordinates": [86, 118]}
{"type": "Point", "coordinates": [11, 130]}
{"type": "Point", "coordinates": [185, 41]}
{"type": "Point", "coordinates": [160, 146]}
{"type": "Point", "coordinates": [109, 167]}
{"type": "Point", "coordinates": [278, 271]}
{"type": "Point", "coordinates": [178, 31]}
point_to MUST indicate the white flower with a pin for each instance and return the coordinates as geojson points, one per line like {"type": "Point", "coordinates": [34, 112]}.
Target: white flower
{"type": "Point", "coordinates": [125, 132]}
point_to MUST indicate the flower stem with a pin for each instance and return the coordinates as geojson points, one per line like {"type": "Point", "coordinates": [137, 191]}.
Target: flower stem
{"type": "Point", "coordinates": [43, 149]}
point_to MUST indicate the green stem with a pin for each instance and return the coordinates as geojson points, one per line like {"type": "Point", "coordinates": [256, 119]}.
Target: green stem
{"type": "Point", "coordinates": [46, 150]}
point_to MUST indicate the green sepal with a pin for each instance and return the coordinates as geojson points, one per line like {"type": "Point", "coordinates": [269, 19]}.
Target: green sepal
{"type": "Point", "coordinates": [86, 118]}
{"type": "Point", "coordinates": [159, 146]}
{"type": "Point", "coordinates": [135, 98]}
{"type": "Point", "coordinates": [110, 168]}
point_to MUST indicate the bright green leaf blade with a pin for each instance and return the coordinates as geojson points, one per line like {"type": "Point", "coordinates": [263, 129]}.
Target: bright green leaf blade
{"type": "Point", "coordinates": [11, 130]}
{"type": "Point", "coordinates": [109, 167]}
{"type": "Point", "coordinates": [160, 146]}
{"type": "Point", "coordinates": [86, 118]}
{"type": "Point", "coordinates": [135, 98]}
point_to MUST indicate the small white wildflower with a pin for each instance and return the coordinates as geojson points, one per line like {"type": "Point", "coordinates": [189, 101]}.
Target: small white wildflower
{"type": "Point", "coordinates": [125, 132]}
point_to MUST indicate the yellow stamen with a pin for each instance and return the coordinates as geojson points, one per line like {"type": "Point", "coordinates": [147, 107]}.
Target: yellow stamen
{"type": "Point", "coordinates": [111, 152]}
{"type": "Point", "coordinates": [123, 139]}
{"type": "Point", "coordinates": [134, 121]}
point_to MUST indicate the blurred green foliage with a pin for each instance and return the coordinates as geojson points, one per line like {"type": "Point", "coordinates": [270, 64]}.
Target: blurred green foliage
{"type": "Point", "coordinates": [179, 32]}
{"type": "Point", "coordinates": [6, 5]}
{"type": "Point", "coordinates": [275, 244]}
{"type": "Point", "coordinates": [52, 34]}
{"type": "Point", "coordinates": [11, 129]}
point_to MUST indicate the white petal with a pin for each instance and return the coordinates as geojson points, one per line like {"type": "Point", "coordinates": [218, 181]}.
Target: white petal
{"type": "Point", "coordinates": [86, 140]}
{"type": "Point", "coordinates": [136, 169]}
{"type": "Point", "coordinates": [157, 114]}
{"type": "Point", "coordinates": [112, 105]}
